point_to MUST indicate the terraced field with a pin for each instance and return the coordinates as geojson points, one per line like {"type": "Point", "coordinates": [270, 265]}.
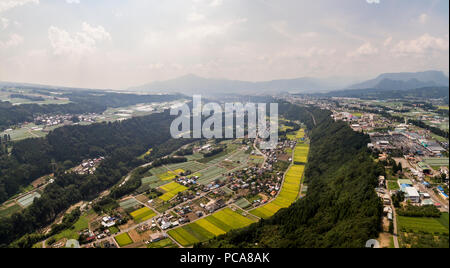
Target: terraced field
{"type": "Point", "coordinates": [171, 190]}
{"type": "Point", "coordinates": [214, 225]}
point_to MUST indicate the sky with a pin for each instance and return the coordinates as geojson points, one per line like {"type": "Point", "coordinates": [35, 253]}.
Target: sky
{"type": "Point", "coordinates": [122, 43]}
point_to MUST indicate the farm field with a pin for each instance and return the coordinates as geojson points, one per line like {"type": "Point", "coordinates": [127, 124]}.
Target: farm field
{"type": "Point", "coordinates": [438, 162]}
{"type": "Point", "coordinates": [27, 200]}
{"type": "Point", "coordinates": [193, 166]}
{"type": "Point", "coordinates": [165, 243]}
{"type": "Point", "coordinates": [301, 153]}
{"type": "Point", "coordinates": [129, 204]}
{"type": "Point", "coordinates": [167, 176]}
{"type": "Point", "coordinates": [243, 203]}
{"type": "Point", "coordinates": [216, 224]}
{"type": "Point", "coordinates": [425, 225]}
{"type": "Point", "coordinates": [424, 232]}
{"type": "Point", "coordinates": [6, 211]}
{"type": "Point", "coordinates": [142, 214]}
{"type": "Point", "coordinates": [72, 233]}
{"type": "Point", "coordinates": [123, 239]}
{"type": "Point", "coordinates": [393, 185]}
{"type": "Point", "coordinates": [171, 190]}
{"type": "Point", "coordinates": [291, 186]}
{"type": "Point", "coordinates": [208, 175]}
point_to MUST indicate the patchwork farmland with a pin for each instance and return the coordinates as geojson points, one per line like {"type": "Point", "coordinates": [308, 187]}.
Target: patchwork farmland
{"type": "Point", "coordinates": [292, 182]}
{"type": "Point", "coordinates": [216, 224]}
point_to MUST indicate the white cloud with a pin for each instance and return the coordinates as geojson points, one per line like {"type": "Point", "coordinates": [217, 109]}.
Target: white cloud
{"type": "Point", "coordinates": [77, 44]}
{"type": "Point", "coordinates": [365, 50]}
{"type": "Point", "coordinates": [424, 44]}
{"type": "Point", "coordinates": [13, 41]}
{"type": "Point", "coordinates": [373, 1]}
{"type": "Point", "coordinates": [194, 16]}
{"type": "Point", "coordinates": [9, 4]}
{"type": "Point", "coordinates": [206, 30]}
{"type": "Point", "coordinates": [72, 1]}
{"type": "Point", "coordinates": [216, 3]}
{"type": "Point", "coordinates": [388, 41]}
{"type": "Point", "coordinates": [423, 18]}
{"type": "Point", "coordinates": [4, 23]}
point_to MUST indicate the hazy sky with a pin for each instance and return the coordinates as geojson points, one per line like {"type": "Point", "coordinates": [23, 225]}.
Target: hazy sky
{"type": "Point", "coordinates": [122, 43]}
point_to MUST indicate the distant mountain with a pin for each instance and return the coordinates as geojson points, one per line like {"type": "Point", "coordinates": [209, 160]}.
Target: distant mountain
{"type": "Point", "coordinates": [404, 81]}
{"type": "Point", "coordinates": [382, 94]}
{"type": "Point", "coordinates": [192, 84]}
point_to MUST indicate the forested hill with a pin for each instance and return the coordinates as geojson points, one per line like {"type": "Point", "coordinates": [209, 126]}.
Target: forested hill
{"type": "Point", "coordinates": [68, 146]}
{"type": "Point", "coordinates": [341, 208]}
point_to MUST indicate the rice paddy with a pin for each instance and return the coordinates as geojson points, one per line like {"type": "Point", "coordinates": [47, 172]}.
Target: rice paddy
{"type": "Point", "coordinates": [214, 225]}
{"type": "Point", "coordinates": [142, 214]}
{"type": "Point", "coordinates": [123, 239]}
{"type": "Point", "coordinates": [291, 185]}
{"type": "Point", "coordinates": [171, 190]}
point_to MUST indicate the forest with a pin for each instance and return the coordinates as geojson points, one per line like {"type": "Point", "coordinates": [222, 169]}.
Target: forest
{"type": "Point", "coordinates": [341, 208]}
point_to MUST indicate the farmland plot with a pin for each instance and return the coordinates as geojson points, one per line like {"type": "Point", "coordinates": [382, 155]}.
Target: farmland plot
{"type": "Point", "coordinates": [216, 224]}
{"type": "Point", "coordinates": [171, 190]}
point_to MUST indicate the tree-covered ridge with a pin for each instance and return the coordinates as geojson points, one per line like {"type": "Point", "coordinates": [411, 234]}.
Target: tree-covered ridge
{"type": "Point", "coordinates": [341, 208]}
{"type": "Point", "coordinates": [67, 146]}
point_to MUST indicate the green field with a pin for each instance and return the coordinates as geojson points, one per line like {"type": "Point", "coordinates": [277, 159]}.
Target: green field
{"type": "Point", "coordinates": [393, 185]}
{"type": "Point", "coordinates": [129, 204]}
{"type": "Point", "coordinates": [113, 230]}
{"type": "Point", "coordinates": [424, 225]}
{"type": "Point", "coordinates": [72, 233]}
{"type": "Point", "coordinates": [6, 212]}
{"type": "Point", "coordinates": [165, 243]}
{"type": "Point", "coordinates": [142, 214]}
{"type": "Point", "coordinates": [216, 224]}
{"type": "Point", "coordinates": [243, 203]}
{"type": "Point", "coordinates": [123, 240]}
{"type": "Point", "coordinates": [171, 190]}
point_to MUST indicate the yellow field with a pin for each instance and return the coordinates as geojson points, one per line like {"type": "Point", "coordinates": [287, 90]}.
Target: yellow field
{"type": "Point", "coordinates": [142, 214]}
{"type": "Point", "coordinates": [301, 153]}
{"type": "Point", "coordinates": [171, 189]}
{"type": "Point", "coordinates": [291, 185]}
{"type": "Point", "coordinates": [167, 176]}
{"type": "Point", "coordinates": [179, 171]}
{"type": "Point", "coordinates": [215, 224]}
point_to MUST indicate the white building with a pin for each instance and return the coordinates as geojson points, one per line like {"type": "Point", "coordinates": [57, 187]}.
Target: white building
{"type": "Point", "coordinates": [412, 194]}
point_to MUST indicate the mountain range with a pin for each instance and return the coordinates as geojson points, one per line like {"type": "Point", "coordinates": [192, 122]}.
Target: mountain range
{"type": "Point", "coordinates": [192, 84]}
{"type": "Point", "coordinates": [404, 81]}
